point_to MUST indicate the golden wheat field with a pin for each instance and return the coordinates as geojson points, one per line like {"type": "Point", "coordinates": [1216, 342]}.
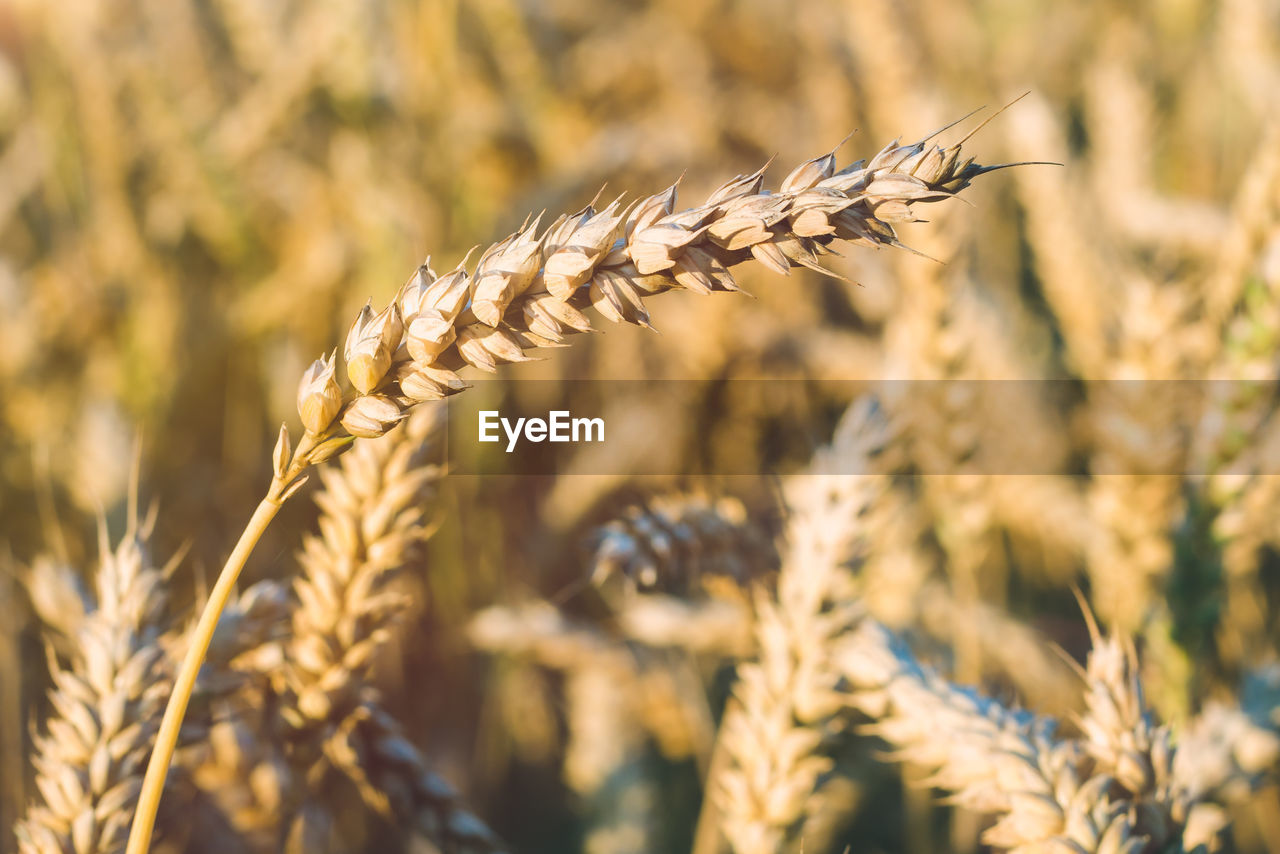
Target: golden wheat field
{"type": "Point", "coordinates": [814, 427]}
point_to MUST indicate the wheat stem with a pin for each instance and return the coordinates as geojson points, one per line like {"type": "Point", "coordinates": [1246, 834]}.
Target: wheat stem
{"type": "Point", "coordinates": [289, 465]}
{"type": "Point", "coordinates": [166, 740]}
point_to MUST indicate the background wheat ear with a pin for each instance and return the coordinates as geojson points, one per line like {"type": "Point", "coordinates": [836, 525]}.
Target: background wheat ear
{"type": "Point", "coordinates": [682, 544]}
{"type": "Point", "coordinates": [108, 694]}
{"type": "Point", "coordinates": [1233, 747]}
{"type": "Point", "coordinates": [787, 704]}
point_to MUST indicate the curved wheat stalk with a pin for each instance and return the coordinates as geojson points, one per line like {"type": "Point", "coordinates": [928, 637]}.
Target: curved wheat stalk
{"type": "Point", "coordinates": [530, 290]}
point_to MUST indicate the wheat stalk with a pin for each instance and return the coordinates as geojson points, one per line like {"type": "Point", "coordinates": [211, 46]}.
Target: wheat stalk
{"type": "Point", "coordinates": [233, 754]}
{"type": "Point", "coordinates": [529, 290]}
{"type": "Point", "coordinates": [247, 642]}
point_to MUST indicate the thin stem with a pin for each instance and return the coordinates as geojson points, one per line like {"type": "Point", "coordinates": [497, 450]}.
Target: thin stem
{"type": "Point", "coordinates": [144, 818]}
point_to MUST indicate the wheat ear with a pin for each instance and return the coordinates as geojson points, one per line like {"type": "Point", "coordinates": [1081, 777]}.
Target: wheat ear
{"type": "Point", "coordinates": [372, 523]}
{"type": "Point", "coordinates": [373, 520]}
{"type": "Point", "coordinates": [991, 759]}
{"type": "Point", "coordinates": [107, 701]}
{"type": "Point", "coordinates": [1230, 749]}
{"type": "Point", "coordinates": [787, 702]}
{"type": "Point", "coordinates": [678, 544]}
{"type": "Point", "coordinates": [529, 290]}
{"type": "Point", "coordinates": [1113, 790]}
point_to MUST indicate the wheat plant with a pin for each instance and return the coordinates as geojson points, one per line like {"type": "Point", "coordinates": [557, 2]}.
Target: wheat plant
{"type": "Point", "coordinates": [529, 290]}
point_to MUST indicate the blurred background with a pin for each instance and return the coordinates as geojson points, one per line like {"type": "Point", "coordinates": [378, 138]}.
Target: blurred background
{"type": "Point", "coordinates": [196, 197]}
